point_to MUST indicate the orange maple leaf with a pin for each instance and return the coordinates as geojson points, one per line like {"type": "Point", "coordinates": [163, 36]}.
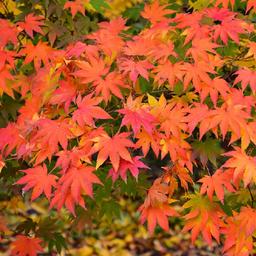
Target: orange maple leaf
{"type": "Point", "coordinates": [38, 179]}
{"type": "Point", "coordinates": [156, 208]}
{"type": "Point", "coordinates": [32, 23]}
{"type": "Point", "coordinates": [246, 77]}
{"type": "Point", "coordinates": [205, 217]}
{"type": "Point", "coordinates": [110, 84]}
{"type": "Point", "coordinates": [88, 110]}
{"type": "Point", "coordinates": [251, 4]}
{"type": "Point", "coordinates": [50, 134]}
{"type": "Point", "coordinates": [238, 232]}
{"type": "Point", "coordinates": [117, 151]}
{"type": "Point", "coordinates": [155, 12]}
{"type": "Point", "coordinates": [216, 183]}
{"type": "Point", "coordinates": [244, 166]}
{"type": "Point", "coordinates": [26, 246]}
{"type": "Point", "coordinates": [39, 53]}
{"type": "Point", "coordinates": [75, 6]}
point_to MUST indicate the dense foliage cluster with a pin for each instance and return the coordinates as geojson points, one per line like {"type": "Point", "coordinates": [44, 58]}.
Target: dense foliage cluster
{"type": "Point", "coordinates": [172, 99]}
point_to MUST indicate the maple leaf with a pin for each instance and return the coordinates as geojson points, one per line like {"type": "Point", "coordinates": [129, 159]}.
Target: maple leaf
{"type": "Point", "coordinates": [225, 3]}
{"type": "Point", "coordinates": [75, 6]}
{"type": "Point", "coordinates": [112, 83]}
{"type": "Point", "coordinates": [177, 147]}
{"type": "Point", "coordinates": [229, 117]}
{"type": "Point", "coordinates": [88, 110]}
{"type": "Point", "coordinates": [32, 23]}
{"type": "Point", "coordinates": [64, 94]}
{"type": "Point", "coordinates": [197, 73]}
{"type": "Point", "coordinates": [26, 246]}
{"type": "Point", "coordinates": [146, 141]}
{"type": "Point", "coordinates": [91, 71]}
{"type": "Point", "coordinates": [118, 150]}
{"type": "Point", "coordinates": [229, 26]}
{"type": "Point", "coordinates": [7, 57]}
{"type": "Point", "coordinates": [136, 116]}
{"type": "Point", "coordinates": [75, 182]}
{"type": "Point", "coordinates": [5, 78]}
{"type": "Point", "coordinates": [201, 47]}
{"type": "Point", "coordinates": [124, 166]}
{"type": "Point", "coordinates": [107, 37]}
{"type": "Point", "coordinates": [79, 179]}
{"type": "Point", "coordinates": [174, 173]}
{"type": "Point", "coordinates": [239, 232]}
{"type": "Point", "coordinates": [156, 208]}
{"type": "Point", "coordinates": [192, 26]}
{"type": "Point", "coordinates": [135, 68]}
{"type": "Point", "coordinates": [251, 4]}
{"type": "Point", "coordinates": [10, 33]}
{"type": "Point", "coordinates": [11, 138]}
{"type": "Point", "coordinates": [50, 133]}
{"type": "Point", "coordinates": [217, 182]}
{"type": "Point", "coordinates": [218, 86]}
{"type": "Point", "coordinates": [246, 77]}
{"type": "Point", "coordinates": [244, 166]}
{"type": "Point", "coordinates": [205, 217]}
{"type": "Point", "coordinates": [68, 158]}
{"type": "Point", "coordinates": [38, 179]}
{"type": "Point", "coordinates": [160, 51]}
{"type": "Point", "coordinates": [207, 150]}
{"type": "Point", "coordinates": [155, 12]}
{"type": "Point", "coordinates": [39, 53]}
{"type": "Point", "coordinates": [168, 71]}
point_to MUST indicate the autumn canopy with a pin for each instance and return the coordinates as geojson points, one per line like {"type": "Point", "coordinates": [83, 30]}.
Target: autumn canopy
{"type": "Point", "coordinates": [172, 100]}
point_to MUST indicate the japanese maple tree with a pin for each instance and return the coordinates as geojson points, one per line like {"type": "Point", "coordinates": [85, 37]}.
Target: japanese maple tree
{"type": "Point", "coordinates": [179, 92]}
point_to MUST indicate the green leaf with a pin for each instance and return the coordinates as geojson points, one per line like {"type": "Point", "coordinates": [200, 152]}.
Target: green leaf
{"type": "Point", "coordinates": [26, 226]}
{"type": "Point", "coordinates": [99, 5]}
{"type": "Point", "coordinates": [145, 85]}
{"type": "Point", "coordinates": [207, 150]}
{"type": "Point", "coordinates": [58, 242]}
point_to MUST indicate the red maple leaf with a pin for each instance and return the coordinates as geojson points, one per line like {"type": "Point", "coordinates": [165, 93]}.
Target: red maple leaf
{"type": "Point", "coordinates": [32, 23]}
{"type": "Point", "coordinates": [65, 94]}
{"type": "Point", "coordinates": [118, 150]}
{"type": "Point", "coordinates": [156, 208]}
{"type": "Point", "coordinates": [26, 246]}
{"type": "Point", "coordinates": [38, 179]}
{"type": "Point", "coordinates": [11, 138]}
{"type": "Point", "coordinates": [124, 166]}
{"type": "Point", "coordinates": [76, 181]}
{"type": "Point", "coordinates": [88, 110]}
{"type": "Point", "coordinates": [7, 57]}
{"type": "Point", "coordinates": [10, 33]}
{"type": "Point", "coordinates": [135, 68]}
{"type": "Point", "coordinates": [137, 116]}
